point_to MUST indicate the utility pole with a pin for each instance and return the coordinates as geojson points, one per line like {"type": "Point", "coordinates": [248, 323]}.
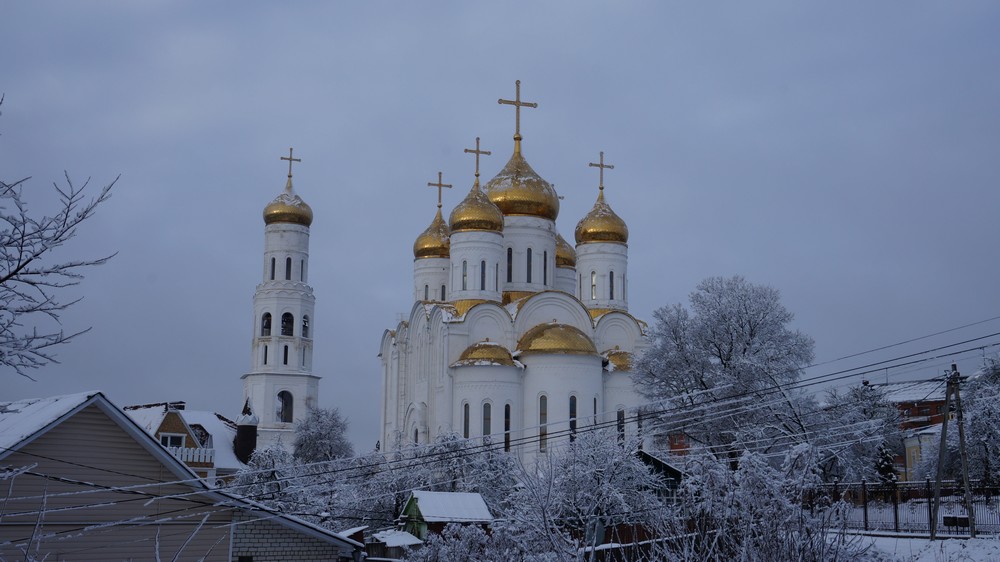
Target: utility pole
{"type": "Point", "coordinates": [952, 389]}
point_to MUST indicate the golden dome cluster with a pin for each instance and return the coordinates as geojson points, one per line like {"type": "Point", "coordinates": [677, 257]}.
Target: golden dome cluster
{"type": "Point", "coordinates": [519, 190]}
{"type": "Point", "coordinates": [433, 242]}
{"type": "Point", "coordinates": [289, 208]}
{"type": "Point", "coordinates": [556, 338]}
{"type": "Point", "coordinates": [485, 352]}
{"type": "Point", "coordinates": [601, 224]}
{"type": "Point", "coordinates": [476, 212]}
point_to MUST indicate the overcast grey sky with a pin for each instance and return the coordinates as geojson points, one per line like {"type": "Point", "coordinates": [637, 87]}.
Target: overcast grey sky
{"type": "Point", "coordinates": [845, 153]}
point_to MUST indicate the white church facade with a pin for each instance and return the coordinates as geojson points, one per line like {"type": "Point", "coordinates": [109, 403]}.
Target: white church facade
{"type": "Point", "coordinates": [514, 334]}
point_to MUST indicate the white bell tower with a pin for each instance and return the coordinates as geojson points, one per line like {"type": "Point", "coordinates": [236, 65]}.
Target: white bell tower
{"type": "Point", "coordinates": [280, 386]}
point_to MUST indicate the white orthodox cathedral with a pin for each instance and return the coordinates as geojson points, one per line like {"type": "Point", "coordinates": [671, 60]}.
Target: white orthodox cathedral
{"type": "Point", "coordinates": [513, 334]}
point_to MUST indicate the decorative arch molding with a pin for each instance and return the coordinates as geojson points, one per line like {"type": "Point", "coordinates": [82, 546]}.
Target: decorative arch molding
{"type": "Point", "coordinates": [488, 320]}
{"type": "Point", "coordinates": [551, 306]}
{"type": "Point", "coordinates": [617, 329]}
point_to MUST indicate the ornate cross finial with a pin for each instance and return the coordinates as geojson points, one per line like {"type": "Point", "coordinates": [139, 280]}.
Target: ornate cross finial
{"type": "Point", "coordinates": [477, 152]}
{"type": "Point", "coordinates": [290, 160]}
{"type": "Point", "coordinates": [439, 185]}
{"type": "Point", "coordinates": [602, 166]}
{"type": "Point", "coordinates": [518, 104]}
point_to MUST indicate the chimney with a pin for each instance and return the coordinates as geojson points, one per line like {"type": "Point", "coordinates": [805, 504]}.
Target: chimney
{"type": "Point", "coordinates": [245, 441]}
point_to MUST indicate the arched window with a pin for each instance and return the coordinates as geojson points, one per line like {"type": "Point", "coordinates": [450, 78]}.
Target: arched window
{"type": "Point", "coordinates": [303, 358]}
{"type": "Point", "coordinates": [579, 290]}
{"type": "Point", "coordinates": [621, 424]}
{"type": "Point", "coordinates": [482, 275]}
{"type": "Point", "coordinates": [442, 292]}
{"type": "Point", "coordinates": [285, 359]}
{"type": "Point", "coordinates": [302, 270]}
{"type": "Point", "coordinates": [510, 265]}
{"type": "Point", "coordinates": [529, 266]}
{"type": "Point", "coordinates": [487, 415]}
{"type": "Point", "coordinates": [506, 427]}
{"type": "Point", "coordinates": [427, 292]}
{"type": "Point", "coordinates": [283, 407]}
{"type": "Point", "coordinates": [305, 325]}
{"type": "Point", "coordinates": [288, 269]}
{"type": "Point", "coordinates": [287, 324]}
{"type": "Point", "coordinates": [611, 284]}
{"type": "Point", "coordinates": [465, 275]}
{"type": "Point", "coordinates": [265, 324]}
{"type": "Point", "coordinates": [272, 269]}
{"type": "Point", "coordinates": [496, 277]}
{"type": "Point", "coordinates": [416, 435]}
{"type": "Point", "coordinates": [265, 355]}
{"type": "Point", "coordinates": [543, 420]}
{"type": "Point", "coordinates": [545, 267]}
{"type": "Point", "coordinates": [572, 418]}
{"type": "Point", "coordinates": [595, 410]}
{"type": "Point", "coordinates": [593, 285]}
{"type": "Point", "coordinates": [465, 420]}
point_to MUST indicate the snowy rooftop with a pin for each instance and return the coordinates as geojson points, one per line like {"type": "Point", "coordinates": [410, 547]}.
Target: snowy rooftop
{"type": "Point", "coordinates": [222, 430]}
{"type": "Point", "coordinates": [21, 419]}
{"type": "Point", "coordinates": [913, 391]}
{"type": "Point", "coordinates": [393, 538]}
{"type": "Point", "coordinates": [452, 506]}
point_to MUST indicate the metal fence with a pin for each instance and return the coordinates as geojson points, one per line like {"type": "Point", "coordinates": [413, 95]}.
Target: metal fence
{"type": "Point", "coordinates": [907, 506]}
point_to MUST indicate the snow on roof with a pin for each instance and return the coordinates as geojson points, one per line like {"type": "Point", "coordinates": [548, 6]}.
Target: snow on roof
{"type": "Point", "coordinates": [222, 429]}
{"type": "Point", "coordinates": [352, 530]}
{"type": "Point", "coordinates": [148, 417]}
{"type": "Point", "coordinates": [913, 391]}
{"type": "Point", "coordinates": [393, 537]}
{"type": "Point", "coordinates": [451, 506]}
{"type": "Point", "coordinates": [21, 419]}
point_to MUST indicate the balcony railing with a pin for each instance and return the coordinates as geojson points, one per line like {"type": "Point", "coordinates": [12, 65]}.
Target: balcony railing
{"type": "Point", "coordinates": [186, 454]}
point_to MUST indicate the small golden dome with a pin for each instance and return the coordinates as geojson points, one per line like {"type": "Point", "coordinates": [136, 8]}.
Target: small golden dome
{"type": "Point", "coordinates": [601, 225]}
{"type": "Point", "coordinates": [565, 254]}
{"type": "Point", "coordinates": [485, 353]}
{"type": "Point", "coordinates": [476, 212]}
{"type": "Point", "coordinates": [433, 242]}
{"type": "Point", "coordinates": [288, 207]}
{"type": "Point", "coordinates": [518, 190]}
{"type": "Point", "coordinates": [556, 338]}
{"type": "Point", "coordinates": [622, 360]}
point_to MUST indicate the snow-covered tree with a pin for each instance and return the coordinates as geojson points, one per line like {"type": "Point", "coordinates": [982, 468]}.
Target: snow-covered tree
{"type": "Point", "coordinates": [721, 368]}
{"type": "Point", "coordinates": [854, 432]}
{"type": "Point", "coordinates": [322, 436]}
{"type": "Point", "coordinates": [981, 402]}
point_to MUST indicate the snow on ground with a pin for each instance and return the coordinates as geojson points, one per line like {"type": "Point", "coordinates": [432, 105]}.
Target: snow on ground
{"type": "Point", "coordinates": [906, 549]}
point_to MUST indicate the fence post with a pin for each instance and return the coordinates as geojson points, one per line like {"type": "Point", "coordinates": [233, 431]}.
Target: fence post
{"type": "Point", "coordinates": [864, 500]}
{"type": "Point", "coordinates": [895, 505]}
{"type": "Point", "coordinates": [930, 512]}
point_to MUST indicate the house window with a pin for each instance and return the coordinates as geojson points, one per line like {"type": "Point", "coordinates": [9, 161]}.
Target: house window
{"type": "Point", "coordinates": [272, 269]}
{"type": "Point", "coordinates": [506, 427]}
{"type": "Point", "coordinates": [593, 285]}
{"type": "Point", "coordinates": [465, 420]}
{"type": "Point", "coordinates": [611, 281]}
{"type": "Point", "coordinates": [265, 324]}
{"type": "Point", "coordinates": [172, 439]}
{"type": "Point", "coordinates": [283, 406]}
{"type": "Point", "coordinates": [543, 420]}
{"type": "Point", "coordinates": [482, 275]}
{"type": "Point", "coordinates": [487, 414]}
{"type": "Point", "coordinates": [572, 418]}
{"type": "Point", "coordinates": [305, 325]}
{"type": "Point", "coordinates": [529, 265]}
{"type": "Point", "coordinates": [288, 269]}
{"type": "Point", "coordinates": [621, 424]}
{"type": "Point", "coordinates": [287, 324]}
{"type": "Point", "coordinates": [510, 265]}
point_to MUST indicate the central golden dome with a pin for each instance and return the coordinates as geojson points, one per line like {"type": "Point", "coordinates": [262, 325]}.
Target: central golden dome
{"type": "Point", "coordinates": [518, 190]}
{"type": "Point", "coordinates": [433, 242]}
{"type": "Point", "coordinates": [556, 338]}
{"type": "Point", "coordinates": [601, 225]}
{"type": "Point", "coordinates": [565, 254]}
{"type": "Point", "coordinates": [288, 207]}
{"type": "Point", "coordinates": [476, 212]}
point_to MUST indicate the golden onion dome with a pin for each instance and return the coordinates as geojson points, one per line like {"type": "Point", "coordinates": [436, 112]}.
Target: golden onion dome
{"type": "Point", "coordinates": [476, 212]}
{"type": "Point", "coordinates": [288, 207]}
{"type": "Point", "coordinates": [518, 190]}
{"type": "Point", "coordinates": [565, 254]}
{"type": "Point", "coordinates": [622, 360]}
{"type": "Point", "coordinates": [433, 242]}
{"type": "Point", "coordinates": [556, 338]}
{"type": "Point", "coordinates": [485, 353]}
{"type": "Point", "coordinates": [601, 225]}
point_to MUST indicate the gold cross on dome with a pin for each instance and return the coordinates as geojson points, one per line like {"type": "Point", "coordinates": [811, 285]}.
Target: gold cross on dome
{"type": "Point", "coordinates": [439, 185]}
{"type": "Point", "coordinates": [290, 160]}
{"type": "Point", "coordinates": [518, 104]}
{"type": "Point", "coordinates": [602, 166]}
{"type": "Point", "coordinates": [477, 152]}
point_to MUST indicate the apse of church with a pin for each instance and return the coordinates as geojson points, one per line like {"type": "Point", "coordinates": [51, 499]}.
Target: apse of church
{"type": "Point", "coordinates": [514, 334]}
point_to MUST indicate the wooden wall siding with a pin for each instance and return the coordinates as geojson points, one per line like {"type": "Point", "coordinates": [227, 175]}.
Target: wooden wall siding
{"type": "Point", "coordinates": [268, 541]}
{"type": "Point", "coordinates": [172, 423]}
{"type": "Point", "coordinates": [91, 448]}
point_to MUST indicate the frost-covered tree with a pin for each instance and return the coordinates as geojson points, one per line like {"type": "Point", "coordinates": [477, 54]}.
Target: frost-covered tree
{"type": "Point", "coordinates": [322, 436]}
{"type": "Point", "coordinates": [270, 478]}
{"type": "Point", "coordinates": [32, 277]}
{"type": "Point", "coordinates": [981, 401]}
{"type": "Point", "coordinates": [721, 367]}
{"type": "Point", "coordinates": [885, 465]}
{"type": "Point", "coordinates": [853, 432]}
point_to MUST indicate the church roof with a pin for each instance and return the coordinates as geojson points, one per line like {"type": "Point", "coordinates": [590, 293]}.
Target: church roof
{"type": "Point", "coordinates": [554, 337]}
